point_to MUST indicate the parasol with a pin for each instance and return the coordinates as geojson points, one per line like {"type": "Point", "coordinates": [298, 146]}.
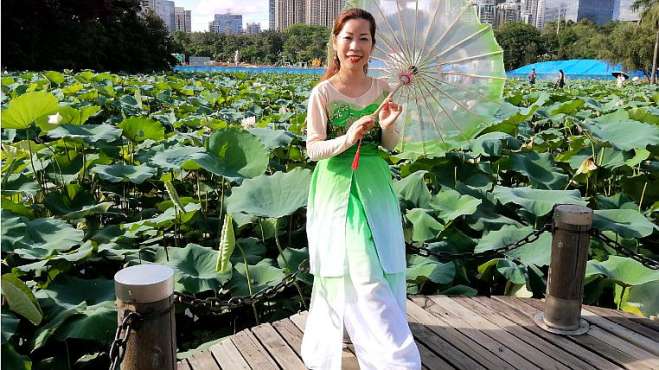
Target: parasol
{"type": "Point", "coordinates": [619, 73]}
{"type": "Point", "coordinates": [445, 66]}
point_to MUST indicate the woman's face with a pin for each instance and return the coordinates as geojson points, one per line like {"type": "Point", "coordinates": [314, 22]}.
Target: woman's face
{"type": "Point", "coordinates": [353, 45]}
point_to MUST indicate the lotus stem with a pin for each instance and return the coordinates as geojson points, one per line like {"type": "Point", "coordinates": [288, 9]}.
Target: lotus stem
{"type": "Point", "coordinates": [281, 251]}
{"type": "Point", "coordinates": [640, 203]}
{"type": "Point", "coordinates": [249, 283]}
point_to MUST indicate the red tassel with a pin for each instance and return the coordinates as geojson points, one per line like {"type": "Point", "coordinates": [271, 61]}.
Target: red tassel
{"type": "Point", "coordinates": [355, 161]}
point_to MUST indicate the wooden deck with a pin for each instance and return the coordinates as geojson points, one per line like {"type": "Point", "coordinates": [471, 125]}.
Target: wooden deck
{"type": "Point", "coordinates": [463, 333]}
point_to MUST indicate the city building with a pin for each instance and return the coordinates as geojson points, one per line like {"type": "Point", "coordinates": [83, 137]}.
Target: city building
{"type": "Point", "coordinates": [313, 12]}
{"type": "Point", "coordinates": [322, 12]}
{"type": "Point", "coordinates": [252, 28]}
{"type": "Point", "coordinates": [226, 23]}
{"type": "Point", "coordinates": [507, 12]}
{"type": "Point", "coordinates": [486, 11]}
{"type": "Point", "coordinates": [598, 11]}
{"type": "Point", "coordinates": [622, 11]}
{"type": "Point", "coordinates": [183, 19]}
{"type": "Point", "coordinates": [288, 13]}
{"type": "Point", "coordinates": [164, 9]}
{"type": "Point", "coordinates": [271, 15]}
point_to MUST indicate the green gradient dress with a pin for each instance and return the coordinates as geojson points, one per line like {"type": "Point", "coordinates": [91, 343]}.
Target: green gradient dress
{"type": "Point", "coordinates": [356, 245]}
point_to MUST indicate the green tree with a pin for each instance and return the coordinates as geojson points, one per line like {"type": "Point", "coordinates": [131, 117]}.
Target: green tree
{"type": "Point", "coordinates": [650, 17]}
{"type": "Point", "coordinates": [96, 34]}
{"type": "Point", "coordinates": [521, 43]}
{"type": "Point", "coordinates": [304, 43]}
{"type": "Point", "coordinates": [630, 44]}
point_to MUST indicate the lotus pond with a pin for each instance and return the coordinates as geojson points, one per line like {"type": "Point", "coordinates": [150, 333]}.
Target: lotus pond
{"type": "Point", "coordinates": [101, 171]}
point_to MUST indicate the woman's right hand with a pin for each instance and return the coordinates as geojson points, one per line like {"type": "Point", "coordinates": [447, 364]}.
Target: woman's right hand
{"type": "Point", "coordinates": [358, 129]}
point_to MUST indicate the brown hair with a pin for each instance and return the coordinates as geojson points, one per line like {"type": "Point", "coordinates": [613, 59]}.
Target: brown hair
{"type": "Point", "coordinates": [333, 65]}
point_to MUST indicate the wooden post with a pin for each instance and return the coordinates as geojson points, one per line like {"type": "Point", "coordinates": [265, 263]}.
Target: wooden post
{"type": "Point", "coordinates": [149, 291]}
{"type": "Point", "coordinates": [569, 253]}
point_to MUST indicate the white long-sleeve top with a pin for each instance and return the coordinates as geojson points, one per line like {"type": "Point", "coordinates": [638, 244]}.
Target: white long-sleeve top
{"type": "Point", "coordinates": [324, 100]}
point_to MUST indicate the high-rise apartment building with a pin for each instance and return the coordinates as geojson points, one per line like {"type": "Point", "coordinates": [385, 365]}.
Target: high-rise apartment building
{"type": "Point", "coordinates": [227, 23]}
{"type": "Point", "coordinates": [316, 12]}
{"type": "Point", "coordinates": [183, 19]}
{"type": "Point", "coordinates": [598, 11]}
{"type": "Point", "coordinates": [486, 11]}
{"type": "Point", "coordinates": [252, 28]}
{"type": "Point", "coordinates": [288, 13]}
{"type": "Point", "coordinates": [622, 11]}
{"type": "Point", "coordinates": [271, 15]}
{"type": "Point", "coordinates": [507, 12]}
{"type": "Point", "coordinates": [164, 9]}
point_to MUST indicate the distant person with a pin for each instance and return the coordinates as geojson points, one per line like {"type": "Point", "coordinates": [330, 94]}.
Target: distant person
{"type": "Point", "coordinates": [560, 83]}
{"type": "Point", "coordinates": [532, 77]}
{"type": "Point", "coordinates": [620, 80]}
{"type": "Point", "coordinates": [236, 58]}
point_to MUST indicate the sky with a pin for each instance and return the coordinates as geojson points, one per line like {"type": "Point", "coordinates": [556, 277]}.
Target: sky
{"type": "Point", "coordinates": [202, 11]}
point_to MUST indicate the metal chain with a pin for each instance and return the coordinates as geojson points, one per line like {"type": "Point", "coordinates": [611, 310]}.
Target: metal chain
{"type": "Point", "coordinates": [530, 238]}
{"type": "Point", "coordinates": [118, 346]}
{"type": "Point", "coordinates": [646, 261]}
{"type": "Point", "coordinates": [219, 306]}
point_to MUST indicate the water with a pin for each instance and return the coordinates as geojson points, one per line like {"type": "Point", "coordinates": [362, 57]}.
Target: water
{"type": "Point", "coordinates": [314, 71]}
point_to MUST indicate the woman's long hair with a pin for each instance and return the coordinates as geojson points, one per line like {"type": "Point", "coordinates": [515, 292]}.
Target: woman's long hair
{"type": "Point", "coordinates": [334, 65]}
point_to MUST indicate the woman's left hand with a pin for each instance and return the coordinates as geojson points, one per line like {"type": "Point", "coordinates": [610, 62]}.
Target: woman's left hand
{"type": "Point", "coordinates": [389, 113]}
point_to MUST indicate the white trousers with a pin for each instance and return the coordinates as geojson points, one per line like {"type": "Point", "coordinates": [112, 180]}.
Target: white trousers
{"type": "Point", "coordinates": [370, 303]}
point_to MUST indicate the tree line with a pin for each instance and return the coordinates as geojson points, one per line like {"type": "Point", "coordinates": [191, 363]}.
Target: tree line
{"type": "Point", "coordinates": [97, 34]}
{"type": "Point", "coordinates": [115, 36]}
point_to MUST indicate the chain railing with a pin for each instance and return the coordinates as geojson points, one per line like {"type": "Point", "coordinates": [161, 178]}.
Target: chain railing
{"type": "Point", "coordinates": [118, 346]}
{"type": "Point", "coordinates": [443, 255]}
{"type": "Point", "coordinates": [218, 306]}
{"type": "Point", "coordinates": [616, 246]}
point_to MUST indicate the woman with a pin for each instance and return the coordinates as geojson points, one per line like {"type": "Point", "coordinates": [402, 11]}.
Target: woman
{"type": "Point", "coordinates": [356, 245]}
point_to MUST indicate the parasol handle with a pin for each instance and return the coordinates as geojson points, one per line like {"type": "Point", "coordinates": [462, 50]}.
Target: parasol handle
{"type": "Point", "coordinates": [391, 94]}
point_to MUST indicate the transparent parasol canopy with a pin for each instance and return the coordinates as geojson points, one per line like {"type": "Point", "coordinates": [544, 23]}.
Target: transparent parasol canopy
{"type": "Point", "coordinates": [457, 65]}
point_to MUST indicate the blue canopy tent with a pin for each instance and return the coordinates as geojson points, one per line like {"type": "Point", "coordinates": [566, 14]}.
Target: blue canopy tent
{"type": "Point", "coordinates": [577, 69]}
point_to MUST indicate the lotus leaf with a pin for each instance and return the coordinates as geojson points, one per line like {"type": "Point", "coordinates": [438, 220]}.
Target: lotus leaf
{"type": "Point", "coordinates": [421, 269]}
{"type": "Point", "coordinates": [194, 266]}
{"type": "Point", "coordinates": [20, 299]}
{"type": "Point", "coordinates": [537, 201]}
{"type": "Point", "coordinates": [138, 129]}
{"type": "Point", "coordinates": [275, 195]}
{"type": "Point", "coordinates": [452, 204]}
{"type": "Point", "coordinates": [622, 132]}
{"type": "Point", "coordinates": [262, 275]}
{"type": "Point", "coordinates": [25, 109]}
{"type": "Point", "coordinates": [622, 270]}
{"type": "Point", "coordinates": [424, 226]}
{"type": "Point", "coordinates": [234, 153]}
{"type": "Point", "coordinates": [88, 133]}
{"type": "Point", "coordinates": [628, 223]}
{"type": "Point", "coordinates": [124, 172]}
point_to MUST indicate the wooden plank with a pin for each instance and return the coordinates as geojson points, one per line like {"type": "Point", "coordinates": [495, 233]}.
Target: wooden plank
{"type": "Point", "coordinates": [598, 341]}
{"type": "Point", "coordinates": [227, 355]}
{"type": "Point", "coordinates": [430, 360]}
{"type": "Point", "coordinates": [621, 332]}
{"type": "Point", "coordinates": [458, 349]}
{"type": "Point", "coordinates": [183, 365]}
{"type": "Point", "coordinates": [277, 347]}
{"type": "Point", "coordinates": [629, 323]}
{"type": "Point", "coordinates": [348, 358]}
{"type": "Point", "coordinates": [519, 354]}
{"type": "Point", "coordinates": [252, 351]}
{"type": "Point", "coordinates": [485, 307]}
{"type": "Point", "coordinates": [478, 337]}
{"type": "Point", "coordinates": [651, 324]}
{"type": "Point", "coordinates": [203, 360]}
{"type": "Point", "coordinates": [521, 318]}
{"type": "Point", "coordinates": [291, 334]}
